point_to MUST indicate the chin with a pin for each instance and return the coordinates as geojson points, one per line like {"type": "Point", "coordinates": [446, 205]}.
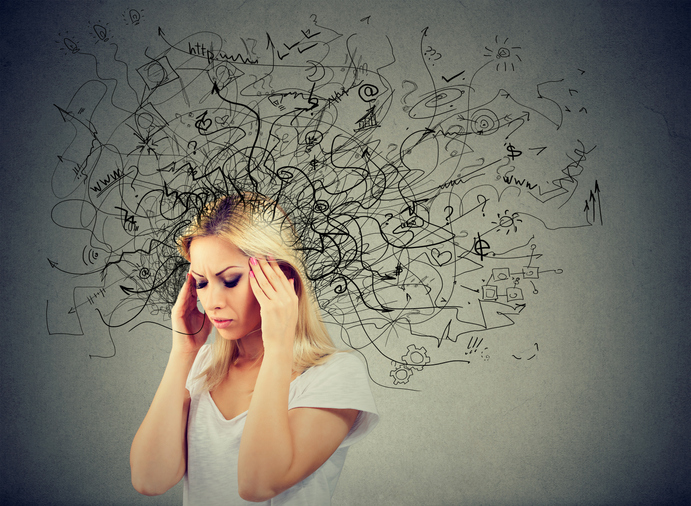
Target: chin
{"type": "Point", "coordinates": [236, 334]}
{"type": "Point", "coordinates": [229, 336]}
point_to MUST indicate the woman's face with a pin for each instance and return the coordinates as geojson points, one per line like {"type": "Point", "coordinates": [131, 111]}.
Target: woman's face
{"type": "Point", "coordinates": [221, 273]}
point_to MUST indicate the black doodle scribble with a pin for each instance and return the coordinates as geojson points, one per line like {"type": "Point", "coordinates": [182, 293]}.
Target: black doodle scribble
{"type": "Point", "coordinates": [421, 203]}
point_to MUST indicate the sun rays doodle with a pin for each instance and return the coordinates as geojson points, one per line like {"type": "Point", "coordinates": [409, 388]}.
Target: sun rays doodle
{"type": "Point", "coordinates": [421, 201]}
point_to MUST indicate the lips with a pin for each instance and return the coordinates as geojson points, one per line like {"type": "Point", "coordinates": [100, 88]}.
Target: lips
{"type": "Point", "coordinates": [221, 323]}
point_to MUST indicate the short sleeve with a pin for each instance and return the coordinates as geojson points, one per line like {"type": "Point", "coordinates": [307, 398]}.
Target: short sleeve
{"type": "Point", "coordinates": [340, 383]}
{"type": "Point", "coordinates": [194, 384]}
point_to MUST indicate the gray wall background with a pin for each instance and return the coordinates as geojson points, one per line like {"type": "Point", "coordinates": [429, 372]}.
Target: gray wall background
{"type": "Point", "coordinates": [601, 417]}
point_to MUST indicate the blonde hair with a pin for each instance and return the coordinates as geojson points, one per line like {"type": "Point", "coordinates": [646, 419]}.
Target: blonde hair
{"type": "Point", "coordinates": [259, 227]}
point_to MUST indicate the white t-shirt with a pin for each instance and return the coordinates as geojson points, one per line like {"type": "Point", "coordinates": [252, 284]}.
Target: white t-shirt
{"type": "Point", "coordinates": [213, 442]}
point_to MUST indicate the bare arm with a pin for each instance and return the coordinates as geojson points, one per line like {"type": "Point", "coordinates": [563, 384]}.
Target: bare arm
{"type": "Point", "coordinates": [158, 456]}
{"type": "Point", "coordinates": [279, 448]}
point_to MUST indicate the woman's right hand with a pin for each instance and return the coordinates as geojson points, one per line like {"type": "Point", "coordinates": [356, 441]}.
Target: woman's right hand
{"type": "Point", "coordinates": [191, 327]}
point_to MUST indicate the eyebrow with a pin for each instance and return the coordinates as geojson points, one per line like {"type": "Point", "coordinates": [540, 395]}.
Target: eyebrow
{"type": "Point", "coordinates": [218, 273]}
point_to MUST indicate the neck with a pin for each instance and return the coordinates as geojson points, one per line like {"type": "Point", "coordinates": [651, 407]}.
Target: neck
{"type": "Point", "coordinates": [250, 347]}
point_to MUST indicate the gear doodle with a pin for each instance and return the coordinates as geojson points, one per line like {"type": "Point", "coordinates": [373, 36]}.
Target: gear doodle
{"type": "Point", "coordinates": [401, 374]}
{"type": "Point", "coordinates": [416, 358]}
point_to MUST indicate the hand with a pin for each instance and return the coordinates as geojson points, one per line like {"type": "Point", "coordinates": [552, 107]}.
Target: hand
{"type": "Point", "coordinates": [278, 301]}
{"type": "Point", "coordinates": [191, 327]}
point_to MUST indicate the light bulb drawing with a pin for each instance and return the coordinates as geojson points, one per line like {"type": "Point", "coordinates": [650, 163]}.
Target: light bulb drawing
{"type": "Point", "coordinates": [134, 16]}
{"type": "Point", "coordinates": [101, 32]}
{"type": "Point", "coordinates": [71, 45]}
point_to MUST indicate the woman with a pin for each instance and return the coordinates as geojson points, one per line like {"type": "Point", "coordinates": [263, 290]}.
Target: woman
{"type": "Point", "coordinates": [266, 412]}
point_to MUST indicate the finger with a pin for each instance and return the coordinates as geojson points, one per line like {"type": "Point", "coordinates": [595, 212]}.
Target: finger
{"type": "Point", "coordinates": [184, 291]}
{"type": "Point", "coordinates": [205, 325]}
{"type": "Point", "coordinates": [275, 267]}
{"type": "Point", "coordinates": [257, 289]}
{"type": "Point", "coordinates": [263, 274]}
{"type": "Point", "coordinates": [186, 304]}
{"type": "Point", "coordinates": [278, 276]}
{"type": "Point", "coordinates": [190, 288]}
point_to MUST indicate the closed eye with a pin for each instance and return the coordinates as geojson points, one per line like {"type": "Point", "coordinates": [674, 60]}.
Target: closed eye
{"type": "Point", "coordinates": [228, 284]}
{"type": "Point", "coordinates": [232, 283]}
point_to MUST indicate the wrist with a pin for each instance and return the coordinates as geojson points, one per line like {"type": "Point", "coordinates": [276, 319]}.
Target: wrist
{"type": "Point", "coordinates": [279, 350]}
{"type": "Point", "coordinates": [279, 356]}
{"type": "Point", "coordinates": [182, 356]}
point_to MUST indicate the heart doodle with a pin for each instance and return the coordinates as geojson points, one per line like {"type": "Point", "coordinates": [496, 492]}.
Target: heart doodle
{"type": "Point", "coordinates": [441, 257]}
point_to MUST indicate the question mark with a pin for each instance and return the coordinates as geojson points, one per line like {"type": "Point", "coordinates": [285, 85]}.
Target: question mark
{"type": "Point", "coordinates": [407, 107]}
{"type": "Point", "coordinates": [136, 170]}
{"type": "Point", "coordinates": [450, 213]}
{"type": "Point", "coordinates": [483, 202]}
{"type": "Point", "coordinates": [194, 149]}
{"type": "Point", "coordinates": [388, 217]}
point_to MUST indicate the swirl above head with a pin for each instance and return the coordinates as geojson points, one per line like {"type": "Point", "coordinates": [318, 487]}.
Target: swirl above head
{"type": "Point", "coordinates": [254, 223]}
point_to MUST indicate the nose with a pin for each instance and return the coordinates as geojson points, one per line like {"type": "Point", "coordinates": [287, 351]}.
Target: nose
{"type": "Point", "coordinates": [215, 296]}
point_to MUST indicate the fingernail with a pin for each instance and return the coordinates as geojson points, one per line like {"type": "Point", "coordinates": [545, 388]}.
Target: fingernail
{"type": "Point", "coordinates": [251, 274]}
{"type": "Point", "coordinates": [253, 261]}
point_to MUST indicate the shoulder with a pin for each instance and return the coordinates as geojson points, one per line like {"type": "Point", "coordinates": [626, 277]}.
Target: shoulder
{"type": "Point", "coordinates": [203, 358]}
{"type": "Point", "coordinates": [339, 364]}
{"type": "Point", "coordinates": [343, 360]}
{"type": "Point", "coordinates": [340, 382]}
{"type": "Point", "coordinates": [195, 382]}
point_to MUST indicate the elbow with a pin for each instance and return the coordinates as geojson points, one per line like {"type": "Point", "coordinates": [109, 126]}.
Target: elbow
{"type": "Point", "coordinates": [254, 492]}
{"type": "Point", "coordinates": [148, 485]}
{"type": "Point", "coordinates": [152, 477]}
{"type": "Point", "coordinates": [251, 496]}
{"type": "Point", "coordinates": [256, 496]}
{"type": "Point", "coordinates": [145, 488]}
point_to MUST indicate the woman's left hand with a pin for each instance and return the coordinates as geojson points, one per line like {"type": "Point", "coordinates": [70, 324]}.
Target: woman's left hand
{"type": "Point", "coordinates": [278, 301]}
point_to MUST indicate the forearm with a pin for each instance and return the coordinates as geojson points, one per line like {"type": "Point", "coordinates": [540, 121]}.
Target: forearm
{"type": "Point", "coordinates": [158, 453]}
{"type": "Point", "coordinates": [266, 448]}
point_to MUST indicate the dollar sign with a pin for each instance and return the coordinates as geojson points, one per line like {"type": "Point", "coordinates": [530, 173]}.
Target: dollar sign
{"type": "Point", "coordinates": [513, 152]}
{"type": "Point", "coordinates": [480, 246]}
